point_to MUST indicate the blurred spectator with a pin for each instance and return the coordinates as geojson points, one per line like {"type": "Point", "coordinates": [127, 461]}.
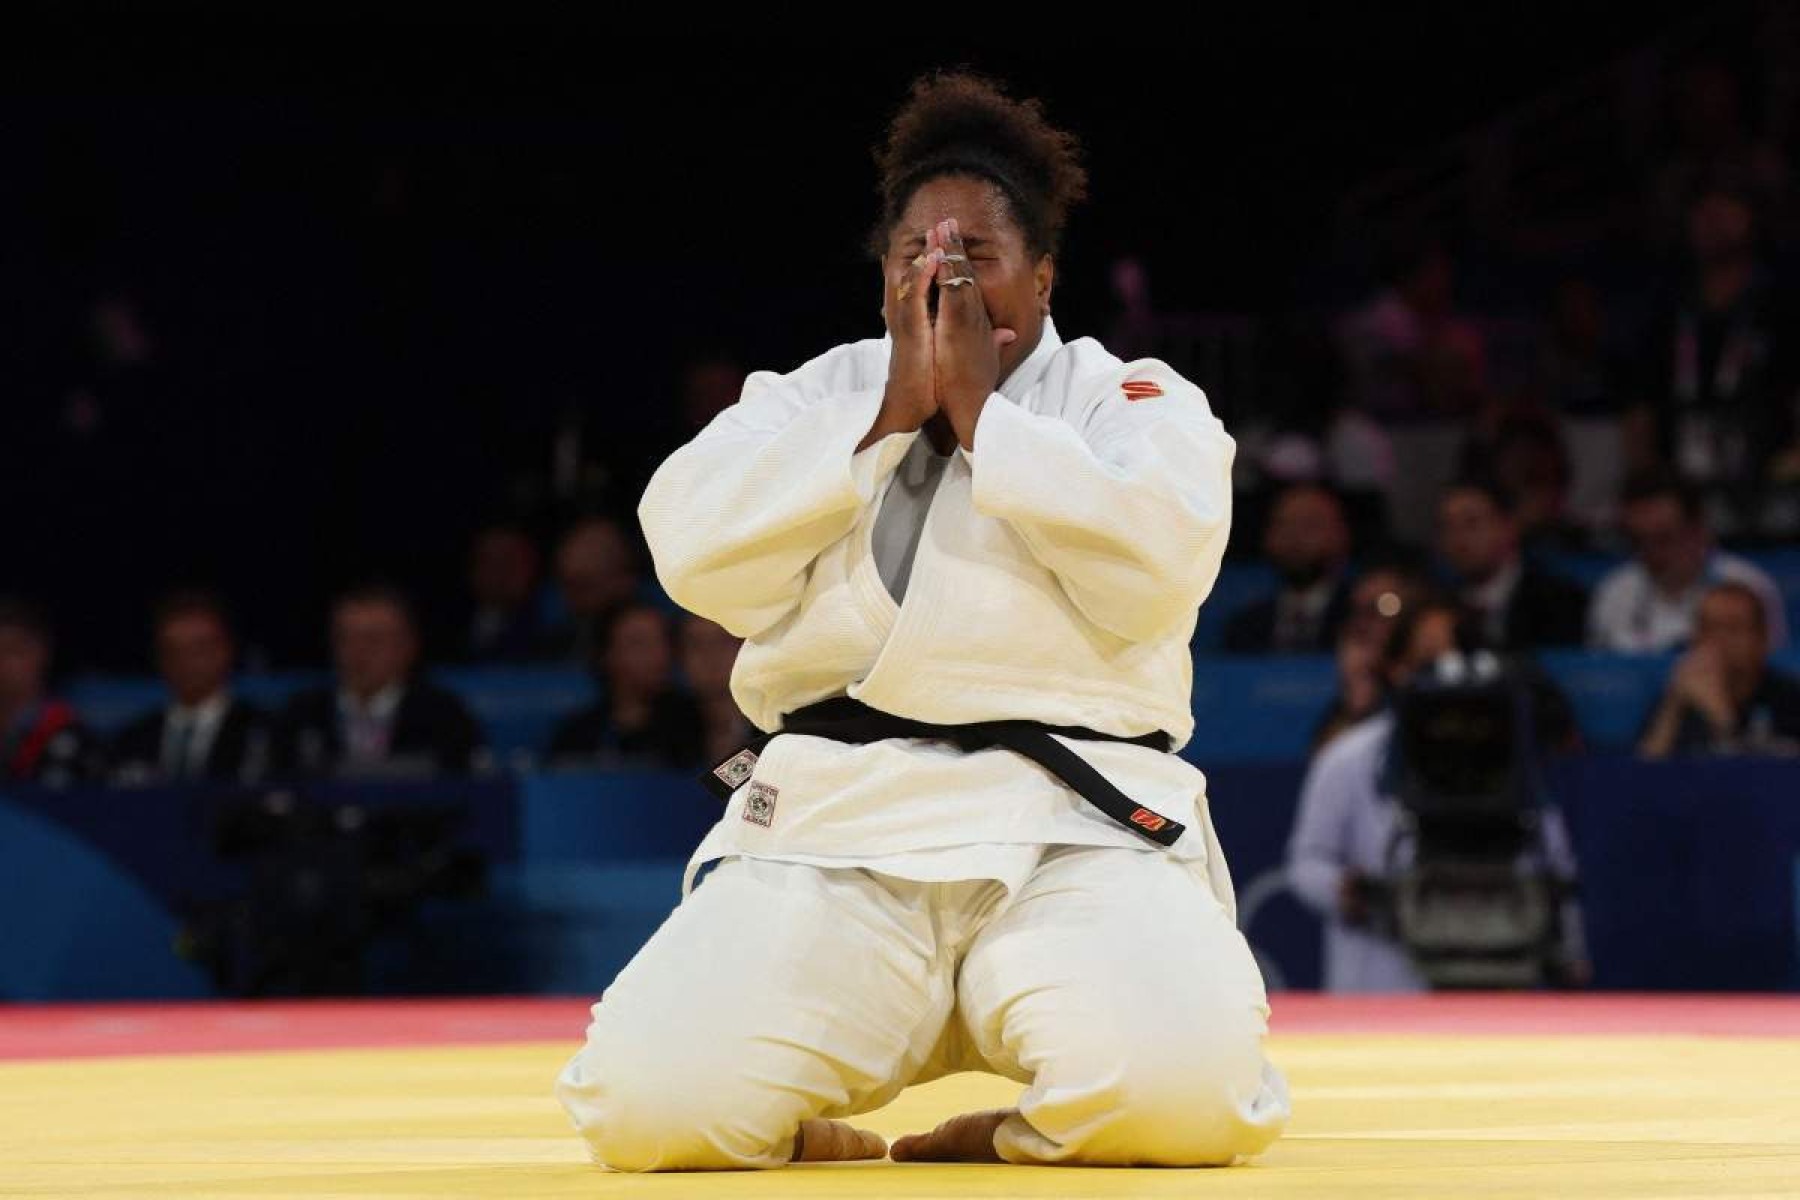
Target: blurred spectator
{"type": "Point", "coordinates": [1516, 604]}
{"type": "Point", "coordinates": [1722, 365]}
{"type": "Point", "coordinates": [1307, 541]}
{"type": "Point", "coordinates": [709, 385]}
{"type": "Point", "coordinates": [641, 719]}
{"type": "Point", "coordinates": [708, 653]}
{"type": "Point", "coordinates": [41, 739]}
{"type": "Point", "coordinates": [1410, 355]}
{"type": "Point", "coordinates": [124, 422]}
{"type": "Point", "coordinates": [204, 732]}
{"type": "Point", "coordinates": [1418, 369]}
{"type": "Point", "coordinates": [1529, 461]}
{"type": "Point", "coordinates": [1648, 605]}
{"type": "Point", "coordinates": [116, 367]}
{"type": "Point", "coordinates": [379, 717]}
{"type": "Point", "coordinates": [1722, 696]}
{"type": "Point", "coordinates": [1377, 599]}
{"type": "Point", "coordinates": [1136, 332]}
{"type": "Point", "coordinates": [1582, 380]}
{"type": "Point", "coordinates": [1349, 830]}
{"type": "Point", "coordinates": [1714, 141]}
{"type": "Point", "coordinates": [637, 438]}
{"type": "Point", "coordinates": [503, 578]}
{"type": "Point", "coordinates": [596, 572]}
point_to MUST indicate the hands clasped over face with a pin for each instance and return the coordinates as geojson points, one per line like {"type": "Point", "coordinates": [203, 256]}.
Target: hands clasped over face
{"type": "Point", "coordinates": [946, 356]}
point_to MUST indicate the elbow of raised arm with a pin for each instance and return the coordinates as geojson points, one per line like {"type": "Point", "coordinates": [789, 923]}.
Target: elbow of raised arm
{"type": "Point", "coordinates": [1143, 600]}
{"type": "Point", "coordinates": [727, 598]}
{"type": "Point", "coordinates": [1168, 594]}
{"type": "Point", "coordinates": [1139, 614]}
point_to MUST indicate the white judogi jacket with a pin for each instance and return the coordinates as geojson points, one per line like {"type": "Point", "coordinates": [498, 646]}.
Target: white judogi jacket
{"type": "Point", "coordinates": [1057, 579]}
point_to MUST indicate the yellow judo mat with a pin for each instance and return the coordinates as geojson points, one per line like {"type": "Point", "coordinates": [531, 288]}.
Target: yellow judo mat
{"type": "Point", "coordinates": [1376, 1114]}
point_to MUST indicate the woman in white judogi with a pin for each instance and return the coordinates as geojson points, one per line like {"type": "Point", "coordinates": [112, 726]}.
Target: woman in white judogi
{"type": "Point", "coordinates": [967, 521]}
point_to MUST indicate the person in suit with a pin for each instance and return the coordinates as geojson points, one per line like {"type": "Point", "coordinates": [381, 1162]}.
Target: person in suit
{"type": "Point", "coordinates": [596, 572]}
{"type": "Point", "coordinates": [42, 740]}
{"type": "Point", "coordinates": [1516, 604]}
{"type": "Point", "coordinates": [503, 585]}
{"type": "Point", "coordinates": [203, 732]}
{"type": "Point", "coordinates": [380, 716]}
{"type": "Point", "coordinates": [642, 719]}
{"type": "Point", "coordinates": [1307, 541]}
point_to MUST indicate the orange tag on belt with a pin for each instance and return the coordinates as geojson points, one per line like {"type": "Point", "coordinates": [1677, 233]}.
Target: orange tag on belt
{"type": "Point", "coordinates": [1140, 389]}
{"type": "Point", "coordinates": [1148, 820]}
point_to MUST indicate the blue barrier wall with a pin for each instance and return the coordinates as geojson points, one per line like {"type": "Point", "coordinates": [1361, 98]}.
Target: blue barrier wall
{"type": "Point", "coordinates": [75, 921]}
{"type": "Point", "coordinates": [1691, 878]}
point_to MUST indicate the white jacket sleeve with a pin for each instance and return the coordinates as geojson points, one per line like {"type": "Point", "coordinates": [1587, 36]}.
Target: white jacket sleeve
{"type": "Point", "coordinates": [1130, 512]}
{"type": "Point", "coordinates": [1318, 850]}
{"type": "Point", "coordinates": [735, 517]}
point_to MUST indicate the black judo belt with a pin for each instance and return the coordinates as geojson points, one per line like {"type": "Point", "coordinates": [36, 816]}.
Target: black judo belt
{"type": "Point", "coordinates": [845, 720]}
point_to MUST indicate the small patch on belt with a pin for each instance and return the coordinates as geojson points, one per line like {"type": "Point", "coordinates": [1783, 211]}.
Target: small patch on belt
{"type": "Point", "coordinates": [736, 769]}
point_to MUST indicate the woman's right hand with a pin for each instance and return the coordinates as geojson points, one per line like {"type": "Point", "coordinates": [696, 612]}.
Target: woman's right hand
{"type": "Point", "coordinates": [911, 396]}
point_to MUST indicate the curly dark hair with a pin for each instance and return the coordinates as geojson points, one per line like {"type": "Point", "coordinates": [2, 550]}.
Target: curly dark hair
{"type": "Point", "coordinates": [961, 123]}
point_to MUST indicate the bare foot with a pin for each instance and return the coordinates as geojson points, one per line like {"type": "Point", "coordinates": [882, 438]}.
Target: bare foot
{"type": "Point", "coordinates": [968, 1138]}
{"type": "Point", "coordinates": [820, 1140]}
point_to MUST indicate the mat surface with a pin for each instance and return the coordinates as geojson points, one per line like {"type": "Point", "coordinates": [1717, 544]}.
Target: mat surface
{"type": "Point", "coordinates": [1428, 1097]}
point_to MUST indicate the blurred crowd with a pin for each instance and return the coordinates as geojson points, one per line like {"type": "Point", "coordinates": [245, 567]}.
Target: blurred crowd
{"type": "Point", "coordinates": [662, 677]}
{"type": "Point", "coordinates": [1677, 592]}
{"type": "Point", "coordinates": [1413, 450]}
{"type": "Point", "coordinates": [1698, 376]}
{"type": "Point", "coordinates": [662, 681]}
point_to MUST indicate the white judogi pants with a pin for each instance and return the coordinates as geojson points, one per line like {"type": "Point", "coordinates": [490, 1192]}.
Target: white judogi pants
{"type": "Point", "coordinates": [1113, 984]}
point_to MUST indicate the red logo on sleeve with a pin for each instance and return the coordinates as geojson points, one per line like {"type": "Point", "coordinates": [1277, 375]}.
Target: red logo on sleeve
{"type": "Point", "coordinates": [1140, 389]}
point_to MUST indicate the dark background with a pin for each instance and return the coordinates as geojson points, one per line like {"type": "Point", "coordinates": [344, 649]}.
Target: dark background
{"type": "Point", "coordinates": [381, 260]}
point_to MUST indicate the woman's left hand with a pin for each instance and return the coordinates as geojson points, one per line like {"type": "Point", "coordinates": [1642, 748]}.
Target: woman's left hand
{"type": "Point", "coordinates": [967, 346]}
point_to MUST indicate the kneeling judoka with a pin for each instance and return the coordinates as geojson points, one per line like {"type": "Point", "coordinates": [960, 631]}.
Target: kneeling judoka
{"type": "Point", "coordinates": [967, 559]}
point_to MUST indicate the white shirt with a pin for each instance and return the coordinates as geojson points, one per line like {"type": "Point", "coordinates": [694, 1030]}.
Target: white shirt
{"type": "Point", "coordinates": [1102, 644]}
{"type": "Point", "coordinates": [1491, 598]}
{"type": "Point", "coordinates": [367, 726]}
{"type": "Point", "coordinates": [1299, 613]}
{"type": "Point", "coordinates": [189, 731]}
{"type": "Point", "coordinates": [1630, 613]}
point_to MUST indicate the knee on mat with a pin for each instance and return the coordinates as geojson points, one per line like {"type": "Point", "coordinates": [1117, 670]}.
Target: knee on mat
{"type": "Point", "coordinates": [1179, 1109]}
{"type": "Point", "coordinates": [637, 1115]}
{"type": "Point", "coordinates": [1198, 1123]}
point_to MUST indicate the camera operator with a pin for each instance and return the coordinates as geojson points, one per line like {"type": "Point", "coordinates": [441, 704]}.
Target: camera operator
{"type": "Point", "coordinates": [1341, 853]}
